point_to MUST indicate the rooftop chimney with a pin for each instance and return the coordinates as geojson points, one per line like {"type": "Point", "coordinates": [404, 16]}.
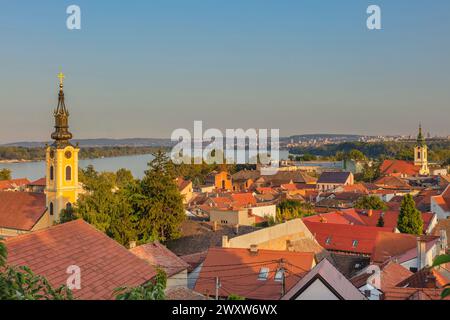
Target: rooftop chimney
{"type": "Point", "coordinates": [421, 253]}
{"type": "Point", "coordinates": [253, 248]}
{"type": "Point", "coordinates": [236, 229]}
{"type": "Point", "coordinates": [132, 244]}
{"type": "Point", "coordinates": [225, 242]}
{"type": "Point", "coordinates": [370, 213]}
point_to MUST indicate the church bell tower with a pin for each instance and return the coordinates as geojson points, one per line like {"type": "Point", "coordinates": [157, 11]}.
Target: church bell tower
{"type": "Point", "coordinates": [421, 154]}
{"type": "Point", "coordinates": [62, 162]}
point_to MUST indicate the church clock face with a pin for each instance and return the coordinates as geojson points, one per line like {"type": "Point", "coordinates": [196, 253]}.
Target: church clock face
{"type": "Point", "coordinates": [68, 154]}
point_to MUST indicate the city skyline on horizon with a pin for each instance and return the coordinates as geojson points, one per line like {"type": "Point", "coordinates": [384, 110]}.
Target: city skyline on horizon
{"type": "Point", "coordinates": [304, 68]}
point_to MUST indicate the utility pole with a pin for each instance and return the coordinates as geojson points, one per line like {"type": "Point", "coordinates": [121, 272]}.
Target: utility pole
{"type": "Point", "coordinates": [217, 288]}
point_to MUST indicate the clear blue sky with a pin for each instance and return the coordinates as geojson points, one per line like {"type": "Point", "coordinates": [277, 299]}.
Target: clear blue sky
{"type": "Point", "coordinates": [145, 68]}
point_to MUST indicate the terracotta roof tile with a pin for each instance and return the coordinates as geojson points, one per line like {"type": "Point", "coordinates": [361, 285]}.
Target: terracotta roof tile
{"type": "Point", "coordinates": [105, 264]}
{"type": "Point", "coordinates": [238, 270]}
{"type": "Point", "coordinates": [389, 167]}
{"type": "Point", "coordinates": [158, 255]}
{"type": "Point", "coordinates": [21, 210]}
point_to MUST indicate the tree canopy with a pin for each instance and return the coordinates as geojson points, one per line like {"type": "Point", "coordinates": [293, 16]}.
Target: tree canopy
{"type": "Point", "coordinates": [5, 174]}
{"type": "Point", "coordinates": [410, 219]}
{"type": "Point", "coordinates": [370, 202]}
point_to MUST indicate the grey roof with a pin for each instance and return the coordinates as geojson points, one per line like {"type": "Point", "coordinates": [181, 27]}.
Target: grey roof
{"type": "Point", "coordinates": [334, 177]}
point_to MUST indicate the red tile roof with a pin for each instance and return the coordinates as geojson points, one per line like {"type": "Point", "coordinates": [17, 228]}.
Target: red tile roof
{"type": "Point", "coordinates": [425, 278]}
{"type": "Point", "coordinates": [367, 218]}
{"type": "Point", "coordinates": [347, 238]}
{"type": "Point", "coordinates": [443, 200]}
{"type": "Point", "coordinates": [158, 255]}
{"type": "Point", "coordinates": [42, 182]}
{"type": "Point", "coordinates": [413, 294]}
{"type": "Point", "coordinates": [390, 167]}
{"type": "Point", "coordinates": [392, 274]}
{"type": "Point", "coordinates": [182, 184]}
{"type": "Point", "coordinates": [21, 210]}
{"type": "Point", "coordinates": [13, 184]}
{"type": "Point", "coordinates": [390, 245]}
{"type": "Point", "coordinates": [238, 271]}
{"type": "Point", "coordinates": [105, 264]}
{"type": "Point", "coordinates": [243, 199]}
{"type": "Point", "coordinates": [392, 182]}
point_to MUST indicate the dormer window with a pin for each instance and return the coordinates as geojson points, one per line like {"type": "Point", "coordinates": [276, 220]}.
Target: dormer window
{"type": "Point", "coordinates": [355, 243]}
{"type": "Point", "coordinates": [263, 274]}
{"type": "Point", "coordinates": [279, 275]}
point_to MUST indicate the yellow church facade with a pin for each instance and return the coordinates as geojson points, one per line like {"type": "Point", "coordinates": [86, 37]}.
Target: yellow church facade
{"type": "Point", "coordinates": [62, 186]}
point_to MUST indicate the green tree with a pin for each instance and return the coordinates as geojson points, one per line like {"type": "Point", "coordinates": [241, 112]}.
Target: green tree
{"type": "Point", "coordinates": [235, 297]}
{"type": "Point", "coordinates": [370, 202]}
{"type": "Point", "coordinates": [20, 283]}
{"type": "Point", "coordinates": [293, 209]}
{"type": "Point", "coordinates": [443, 260]}
{"type": "Point", "coordinates": [410, 219]}
{"type": "Point", "coordinates": [5, 174]}
{"type": "Point", "coordinates": [124, 177]}
{"type": "Point", "coordinates": [157, 203]}
{"type": "Point", "coordinates": [356, 155]}
{"type": "Point", "coordinates": [152, 290]}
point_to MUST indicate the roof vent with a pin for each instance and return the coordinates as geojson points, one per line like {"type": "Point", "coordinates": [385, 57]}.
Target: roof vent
{"type": "Point", "coordinates": [254, 248]}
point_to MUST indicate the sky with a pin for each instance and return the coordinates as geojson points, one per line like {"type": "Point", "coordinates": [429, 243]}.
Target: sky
{"type": "Point", "coordinates": [146, 68]}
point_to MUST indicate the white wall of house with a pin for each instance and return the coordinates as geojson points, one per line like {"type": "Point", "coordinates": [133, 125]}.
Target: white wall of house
{"type": "Point", "coordinates": [317, 291]}
{"type": "Point", "coordinates": [265, 211]}
{"type": "Point", "coordinates": [437, 209]}
{"type": "Point", "coordinates": [375, 294]}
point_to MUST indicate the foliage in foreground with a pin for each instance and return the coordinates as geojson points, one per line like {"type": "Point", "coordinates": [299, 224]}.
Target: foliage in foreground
{"type": "Point", "coordinates": [440, 260]}
{"type": "Point", "coordinates": [20, 283]}
{"type": "Point", "coordinates": [152, 290]}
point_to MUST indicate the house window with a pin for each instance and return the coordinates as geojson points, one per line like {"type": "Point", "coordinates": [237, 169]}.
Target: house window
{"type": "Point", "coordinates": [68, 173]}
{"type": "Point", "coordinates": [263, 274]}
{"type": "Point", "coordinates": [51, 208]}
{"type": "Point", "coordinates": [355, 243]}
{"type": "Point", "coordinates": [279, 275]}
{"type": "Point", "coordinates": [51, 173]}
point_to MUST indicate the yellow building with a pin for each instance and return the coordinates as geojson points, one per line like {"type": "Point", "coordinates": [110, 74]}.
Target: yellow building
{"type": "Point", "coordinates": [421, 154]}
{"type": "Point", "coordinates": [62, 163]}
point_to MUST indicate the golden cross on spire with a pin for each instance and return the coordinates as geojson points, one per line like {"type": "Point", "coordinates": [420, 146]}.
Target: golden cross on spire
{"type": "Point", "coordinates": [61, 77]}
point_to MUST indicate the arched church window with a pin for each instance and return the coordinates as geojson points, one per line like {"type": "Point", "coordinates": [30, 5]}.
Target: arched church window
{"type": "Point", "coordinates": [51, 208]}
{"type": "Point", "coordinates": [68, 173]}
{"type": "Point", "coordinates": [51, 173]}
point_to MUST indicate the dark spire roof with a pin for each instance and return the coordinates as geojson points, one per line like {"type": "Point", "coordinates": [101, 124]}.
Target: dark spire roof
{"type": "Point", "coordinates": [420, 138]}
{"type": "Point", "coordinates": [61, 135]}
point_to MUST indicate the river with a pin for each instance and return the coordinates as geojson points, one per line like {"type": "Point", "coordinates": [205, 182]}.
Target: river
{"type": "Point", "coordinates": [137, 164]}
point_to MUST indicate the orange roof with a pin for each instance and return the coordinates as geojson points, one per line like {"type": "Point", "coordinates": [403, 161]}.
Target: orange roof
{"type": "Point", "coordinates": [158, 255]}
{"type": "Point", "coordinates": [348, 238]}
{"type": "Point", "coordinates": [367, 218]}
{"type": "Point", "coordinates": [238, 271]}
{"type": "Point", "coordinates": [243, 199]}
{"type": "Point", "coordinates": [392, 274]}
{"type": "Point", "coordinates": [21, 210]}
{"type": "Point", "coordinates": [13, 184]}
{"type": "Point", "coordinates": [105, 265]}
{"type": "Point", "coordinates": [358, 187]}
{"type": "Point", "coordinates": [389, 245]}
{"type": "Point", "coordinates": [182, 184]}
{"type": "Point", "coordinates": [390, 167]}
{"type": "Point", "coordinates": [289, 187]}
{"type": "Point", "coordinates": [42, 182]}
{"type": "Point", "coordinates": [393, 182]}
{"type": "Point", "coordinates": [444, 199]}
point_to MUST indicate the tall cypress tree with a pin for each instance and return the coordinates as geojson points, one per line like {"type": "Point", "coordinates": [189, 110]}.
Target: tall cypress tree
{"type": "Point", "coordinates": [410, 219]}
{"type": "Point", "coordinates": [157, 202]}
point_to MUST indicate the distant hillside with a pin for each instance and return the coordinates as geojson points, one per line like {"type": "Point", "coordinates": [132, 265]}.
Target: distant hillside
{"type": "Point", "coordinates": [132, 142]}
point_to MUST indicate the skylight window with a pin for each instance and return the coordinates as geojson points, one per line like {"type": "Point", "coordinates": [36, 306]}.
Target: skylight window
{"type": "Point", "coordinates": [279, 275]}
{"type": "Point", "coordinates": [263, 274]}
{"type": "Point", "coordinates": [328, 241]}
{"type": "Point", "coordinates": [355, 243]}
